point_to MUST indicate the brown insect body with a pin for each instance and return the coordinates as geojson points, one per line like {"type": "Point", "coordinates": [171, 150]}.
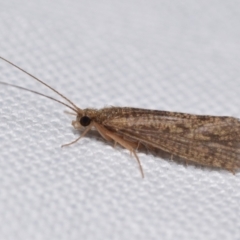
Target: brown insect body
{"type": "Point", "coordinates": [207, 140]}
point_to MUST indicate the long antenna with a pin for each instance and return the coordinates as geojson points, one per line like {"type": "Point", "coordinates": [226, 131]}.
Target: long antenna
{"type": "Point", "coordinates": [37, 79]}
{"type": "Point", "coordinates": [38, 93]}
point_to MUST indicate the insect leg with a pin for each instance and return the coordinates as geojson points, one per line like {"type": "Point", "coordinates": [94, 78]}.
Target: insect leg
{"type": "Point", "coordinates": [82, 135]}
{"type": "Point", "coordinates": [105, 132]}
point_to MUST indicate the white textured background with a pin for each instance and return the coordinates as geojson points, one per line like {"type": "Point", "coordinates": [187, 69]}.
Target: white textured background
{"type": "Point", "coordinates": [168, 55]}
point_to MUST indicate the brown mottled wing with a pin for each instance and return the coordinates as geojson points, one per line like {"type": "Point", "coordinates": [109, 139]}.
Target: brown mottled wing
{"type": "Point", "coordinates": [207, 140]}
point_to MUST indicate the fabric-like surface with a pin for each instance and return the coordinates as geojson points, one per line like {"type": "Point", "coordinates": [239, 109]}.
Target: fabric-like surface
{"type": "Point", "coordinates": [169, 55]}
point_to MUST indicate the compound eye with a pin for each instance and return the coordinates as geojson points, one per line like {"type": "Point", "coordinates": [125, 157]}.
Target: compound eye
{"type": "Point", "coordinates": [85, 121]}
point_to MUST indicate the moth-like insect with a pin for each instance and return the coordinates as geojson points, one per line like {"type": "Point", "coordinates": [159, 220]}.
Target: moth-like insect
{"type": "Point", "coordinates": [212, 141]}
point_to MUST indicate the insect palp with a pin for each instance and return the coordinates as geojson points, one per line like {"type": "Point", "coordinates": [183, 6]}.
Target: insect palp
{"type": "Point", "coordinates": [70, 113]}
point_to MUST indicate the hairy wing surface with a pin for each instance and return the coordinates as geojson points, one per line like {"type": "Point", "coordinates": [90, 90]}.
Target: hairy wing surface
{"type": "Point", "coordinates": [207, 140]}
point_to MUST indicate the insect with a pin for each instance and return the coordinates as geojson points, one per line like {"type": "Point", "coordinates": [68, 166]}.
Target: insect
{"type": "Point", "coordinates": [212, 141]}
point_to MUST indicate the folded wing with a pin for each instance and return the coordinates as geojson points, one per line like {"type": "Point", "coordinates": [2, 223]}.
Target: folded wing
{"type": "Point", "coordinates": [207, 140]}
